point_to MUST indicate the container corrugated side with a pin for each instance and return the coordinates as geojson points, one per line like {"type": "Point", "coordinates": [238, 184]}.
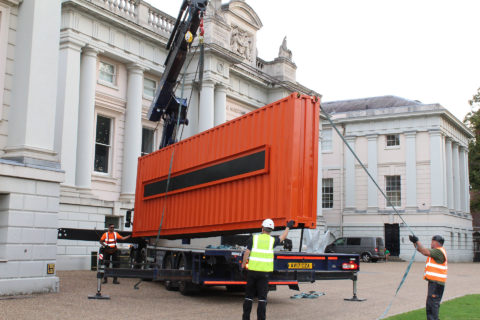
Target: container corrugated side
{"type": "Point", "coordinates": [230, 178]}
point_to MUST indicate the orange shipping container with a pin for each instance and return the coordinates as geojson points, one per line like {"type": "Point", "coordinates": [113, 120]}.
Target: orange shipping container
{"type": "Point", "coordinates": [230, 178]}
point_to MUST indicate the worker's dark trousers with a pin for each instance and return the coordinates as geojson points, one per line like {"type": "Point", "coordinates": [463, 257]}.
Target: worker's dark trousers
{"type": "Point", "coordinates": [257, 284]}
{"type": "Point", "coordinates": [113, 257]}
{"type": "Point", "coordinates": [434, 296]}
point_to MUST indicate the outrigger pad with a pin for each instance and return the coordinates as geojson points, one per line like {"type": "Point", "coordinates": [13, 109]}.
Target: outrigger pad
{"type": "Point", "coordinates": [99, 296]}
{"type": "Point", "coordinates": [355, 299]}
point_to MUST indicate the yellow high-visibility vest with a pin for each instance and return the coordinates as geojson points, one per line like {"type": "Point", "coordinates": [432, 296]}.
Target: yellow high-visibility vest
{"type": "Point", "coordinates": [435, 271]}
{"type": "Point", "coordinates": [261, 255]}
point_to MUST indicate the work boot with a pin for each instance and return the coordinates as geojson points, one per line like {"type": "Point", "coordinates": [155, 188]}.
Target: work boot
{"type": "Point", "coordinates": [115, 281]}
{"type": "Point", "coordinates": [105, 280]}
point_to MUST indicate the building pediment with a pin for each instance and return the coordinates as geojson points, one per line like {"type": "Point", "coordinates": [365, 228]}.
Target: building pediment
{"type": "Point", "coordinates": [244, 12]}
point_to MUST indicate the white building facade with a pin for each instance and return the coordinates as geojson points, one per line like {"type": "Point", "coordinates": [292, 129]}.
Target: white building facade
{"type": "Point", "coordinates": [418, 155]}
{"type": "Point", "coordinates": [77, 78]}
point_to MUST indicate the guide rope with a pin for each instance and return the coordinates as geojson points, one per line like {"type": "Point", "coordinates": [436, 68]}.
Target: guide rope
{"type": "Point", "coordinates": [389, 203]}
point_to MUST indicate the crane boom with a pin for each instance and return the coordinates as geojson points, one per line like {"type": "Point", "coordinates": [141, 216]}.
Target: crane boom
{"type": "Point", "coordinates": [165, 104]}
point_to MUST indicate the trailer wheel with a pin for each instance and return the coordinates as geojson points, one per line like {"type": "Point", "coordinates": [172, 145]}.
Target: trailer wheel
{"type": "Point", "coordinates": [184, 286]}
{"type": "Point", "coordinates": [169, 264]}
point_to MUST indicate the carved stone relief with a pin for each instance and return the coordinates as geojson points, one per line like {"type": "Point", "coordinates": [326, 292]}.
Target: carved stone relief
{"type": "Point", "coordinates": [241, 43]}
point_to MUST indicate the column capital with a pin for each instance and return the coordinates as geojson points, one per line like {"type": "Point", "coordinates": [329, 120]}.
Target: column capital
{"type": "Point", "coordinates": [435, 132]}
{"type": "Point", "coordinates": [350, 138]}
{"type": "Point", "coordinates": [71, 43]}
{"type": "Point", "coordinates": [463, 147]}
{"type": "Point", "coordinates": [135, 68]}
{"type": "Point", "coordinates": [410, 134]}
{"type": "Point", "coordinates": [90, 51]}
{"type": "Point", "coordinates": [372, 137]}
{"type": "Point", "coordinates": [221, 86]}
{"type": "Point", "coordinates": [208, 83]}
{"type": "Point", "coordinates": [448, 139]}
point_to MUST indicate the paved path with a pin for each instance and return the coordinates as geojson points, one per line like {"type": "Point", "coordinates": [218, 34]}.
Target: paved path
{"type": "Point", "coordinates": [377, 283]}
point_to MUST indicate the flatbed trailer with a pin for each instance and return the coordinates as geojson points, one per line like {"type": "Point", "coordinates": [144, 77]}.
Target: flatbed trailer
{"type": "Point", "coordinates": [188, 270]}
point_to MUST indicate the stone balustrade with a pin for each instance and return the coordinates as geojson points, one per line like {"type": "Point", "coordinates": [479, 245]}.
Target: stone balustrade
{"type": "Point", "coordinates": [140, 13]}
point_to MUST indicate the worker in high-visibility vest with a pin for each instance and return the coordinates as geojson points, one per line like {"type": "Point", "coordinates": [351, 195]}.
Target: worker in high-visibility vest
{"type": "Point", "coordinates": [435, 273]}
{"type": "Point", "coordinates": [259, 255]}
{"type": "Point", "coordinates": [109, 244]}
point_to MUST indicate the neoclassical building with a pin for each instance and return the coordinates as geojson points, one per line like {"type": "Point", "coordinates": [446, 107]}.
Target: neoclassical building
{"type": "Point", "coordinates": [76, 81]}
{"type": "Point", "coordinates": [418, 154]}
{"type": "Point", "coordinates": [77, 78]}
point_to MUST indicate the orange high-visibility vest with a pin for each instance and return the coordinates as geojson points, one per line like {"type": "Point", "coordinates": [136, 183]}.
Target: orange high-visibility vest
{"type": "Point", "coordinates": [435, 271]}
{"type": "Point", "coordinates": [111, 242]}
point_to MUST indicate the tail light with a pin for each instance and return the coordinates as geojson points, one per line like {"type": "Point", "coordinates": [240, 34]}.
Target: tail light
{"type": "Point", "coordinates": [349, 266]}
{"type": "Point", "coordinates": [376, 249]}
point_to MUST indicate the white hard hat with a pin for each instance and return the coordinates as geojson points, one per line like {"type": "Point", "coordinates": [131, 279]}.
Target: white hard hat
{"type": "Point", "coordinates": [268, 223]}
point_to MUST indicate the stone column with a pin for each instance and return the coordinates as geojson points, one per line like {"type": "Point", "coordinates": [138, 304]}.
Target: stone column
{"type": "Point", "coordinates": [436, 168]}
{"type": "Point", "coordinates": [456, 177]}
{"type": "Point", "coordinates": [133, 129]}
{"type": "Point", "coordinates": [350, 174]}
{"type": "Point", "coordinates": [191, 94]}
{"type": "Point", "coordinates": [373, 170]}
{"type": "Point", "coordinates": [449, 172]}
{"type": "Point", "coordinates": [67, 107]}
{"type": "Point", "coordinates": [206, 110]}
{"type": "Point", "coordinates": [319, 180]}
{"type": "Point", "coordinates": [411, 169]}
{"type": "Point", "coordinates": [462, 170]}
{"type": "Point", "coordinates": [31, 116]}
{"type": "Point", "coordinates": [220, 104]}
{"type": "Point", "coordinates": [467, 182]}
{"type": "Point", "coordinates": [86, 118]}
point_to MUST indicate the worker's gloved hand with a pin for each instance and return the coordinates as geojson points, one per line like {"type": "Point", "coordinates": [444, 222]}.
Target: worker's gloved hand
{"type": "Point", "coordinates": [290, 224]}
{"type": "Point", "coordinates": [413, 238]}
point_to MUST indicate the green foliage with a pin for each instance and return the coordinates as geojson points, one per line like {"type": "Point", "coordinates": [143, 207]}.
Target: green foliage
{"type": "Point", "coordinates": [472, 120]}
{"type": "Point", "coordinates": [462, 308]}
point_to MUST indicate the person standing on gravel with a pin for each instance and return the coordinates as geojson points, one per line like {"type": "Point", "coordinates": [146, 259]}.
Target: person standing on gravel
{"type": "Point", "coordinates": [435, 273]}
{"type": "Point", "coordinates": [259, 255]}
{"type": "Point", "coordinates": [109, 243]}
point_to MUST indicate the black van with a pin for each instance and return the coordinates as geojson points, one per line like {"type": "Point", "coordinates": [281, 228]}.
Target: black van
{"type": "Point", "coordinates": [369, 248]}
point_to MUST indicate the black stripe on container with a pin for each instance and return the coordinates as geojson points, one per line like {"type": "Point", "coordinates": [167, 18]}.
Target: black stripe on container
{"type": "Point", "coordinates": [250, 163]}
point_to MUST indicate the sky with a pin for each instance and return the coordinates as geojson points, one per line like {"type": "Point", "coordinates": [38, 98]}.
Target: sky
{"type": "Point", "coordinates": [346, 49]}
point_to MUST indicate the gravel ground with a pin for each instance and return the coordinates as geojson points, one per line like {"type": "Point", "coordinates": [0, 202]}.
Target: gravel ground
{"type": "Point", "coordinates": [377, 283]}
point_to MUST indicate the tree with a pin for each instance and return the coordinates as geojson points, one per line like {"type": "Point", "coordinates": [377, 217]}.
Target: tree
{"type": "Point", "coordinates": [472, 120]}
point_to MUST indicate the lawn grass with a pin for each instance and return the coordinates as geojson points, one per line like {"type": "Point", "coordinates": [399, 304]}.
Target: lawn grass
{"type": "Point", "coordinates": [463, 308]}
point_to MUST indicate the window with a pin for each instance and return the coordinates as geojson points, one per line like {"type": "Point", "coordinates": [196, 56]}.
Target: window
{"type": "Point", "coordinates": [340, 242]}
{"type": "Point", "coordinates": [459, 241]}
{"type": "Point", "coordinates": [107, 72]}
{"type": "Point", "coordinates": [353, 241]}
{"type": "Point", "coordinates": [327, 193]}
{"type": "Point", "coordinates": [149, 87]}
{"type": "Point", "coordinates": [327, 140]}
{"type": "Point", "coordinates": [393, 140]}
{"type": "Point", "coordinates": [147, 141]}
{"type": "Point", "coordinates": [452, 242]}
{"type": "Point", "coordinates": [111, 219]}
{"type": "Point", "coordinates": [394, 194]}
{"type": "Point", "coordinates": [102, 144]}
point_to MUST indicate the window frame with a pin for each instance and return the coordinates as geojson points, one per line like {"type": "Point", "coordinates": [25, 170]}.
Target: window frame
{"type": "Point", "coordinates": [109, 146]}
{"type": "Point", "coordinates": [114, 74]}
{"type": "Point", "coordinates": [397, 202]}
{"type": "Point", "coordinates": [330, 140]}
{"type": "Point", "coordinates": [396, 140]}
{"type": "Point", "coordinates": [147, 96]}
{"type": "Point", "coordinates": [330, 199]}
{"type": "Point", "coordinates": [154, 139]}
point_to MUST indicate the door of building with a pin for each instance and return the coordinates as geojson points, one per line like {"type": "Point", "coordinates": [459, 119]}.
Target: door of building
{"type": "Point", "coordinates": [392, 238]}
